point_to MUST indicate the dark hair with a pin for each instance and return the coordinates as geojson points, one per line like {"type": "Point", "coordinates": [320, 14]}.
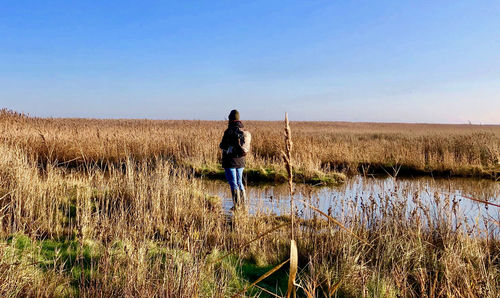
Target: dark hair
{"type": "Point", "coordinates": [234, 115]}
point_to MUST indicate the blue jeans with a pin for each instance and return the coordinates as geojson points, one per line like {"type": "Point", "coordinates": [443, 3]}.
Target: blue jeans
{"type": "Point", "coordinates": [234, 177]}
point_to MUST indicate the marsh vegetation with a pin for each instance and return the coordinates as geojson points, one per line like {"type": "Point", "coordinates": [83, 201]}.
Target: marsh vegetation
{"type": "Point", "coordinates": [321, 148]}
{"type": "Point", "coordinates": [116, 208]}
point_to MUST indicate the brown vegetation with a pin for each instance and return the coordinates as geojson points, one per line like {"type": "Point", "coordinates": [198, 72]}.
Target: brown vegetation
{"type": "Point", "coordinates": [111, 213]}
{"type": "Point", "coordinates": [462, 150]}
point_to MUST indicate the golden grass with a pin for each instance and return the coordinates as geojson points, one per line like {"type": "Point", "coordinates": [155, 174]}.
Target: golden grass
{"type": "Point", "coordinates": [319, 147]}
{"type": "Point", "coordinates": [102, 208]}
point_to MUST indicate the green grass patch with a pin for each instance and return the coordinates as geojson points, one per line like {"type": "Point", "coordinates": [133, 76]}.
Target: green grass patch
{"type": "Point", "coordinates": [276, 283]}
{"type": "Point", "coordinates": [240, 273]}
{"type": "Point", "coordinates": [76, 260]}
{"type": "Point", "coordinates": [272, 175]}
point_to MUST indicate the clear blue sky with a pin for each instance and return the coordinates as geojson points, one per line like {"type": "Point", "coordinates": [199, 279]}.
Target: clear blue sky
{"type": "Point", "coordinates": [398, 61]}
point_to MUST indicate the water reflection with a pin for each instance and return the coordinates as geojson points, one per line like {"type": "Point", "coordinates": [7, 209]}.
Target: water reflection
{"type": "Point", "coordinates": [359, 192]}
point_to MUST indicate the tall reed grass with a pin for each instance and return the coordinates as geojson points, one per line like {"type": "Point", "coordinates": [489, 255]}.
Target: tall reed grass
{"type": "Point", "coordinates": [461, 150]}
{"type": "Point", "coordinates": [146, 227]}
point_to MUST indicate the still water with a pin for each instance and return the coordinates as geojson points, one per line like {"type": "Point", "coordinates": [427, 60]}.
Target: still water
{"type": "Point", "coordinates": [359, 192]}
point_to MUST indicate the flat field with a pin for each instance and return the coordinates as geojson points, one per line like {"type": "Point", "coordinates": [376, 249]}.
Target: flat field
{"type": "Point", "coordinates": [319, 147]}
{"type": "Point", "coordinates": [94, 207]}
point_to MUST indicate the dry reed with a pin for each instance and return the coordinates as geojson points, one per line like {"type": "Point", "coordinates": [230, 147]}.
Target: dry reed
{"type": "Point", "coordinates": [320, 147]}
{"type": "Point", "coordinates": [102, 208]}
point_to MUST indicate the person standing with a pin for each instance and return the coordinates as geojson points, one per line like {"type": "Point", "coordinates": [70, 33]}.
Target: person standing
{"type": "Point", "coordinates": [233, 158]}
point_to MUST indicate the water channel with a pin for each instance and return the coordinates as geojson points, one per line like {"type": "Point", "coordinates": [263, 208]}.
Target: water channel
{"type": "Point", "coordinates": [360, 192]}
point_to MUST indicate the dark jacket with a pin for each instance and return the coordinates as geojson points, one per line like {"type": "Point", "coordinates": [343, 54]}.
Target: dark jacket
{"type": "Point", "coordinates": [230, 141]}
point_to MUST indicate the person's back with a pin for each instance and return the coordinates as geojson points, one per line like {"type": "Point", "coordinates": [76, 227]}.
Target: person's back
{"type": "Point", "coordinates": [232, 154]}
{"type": "Point", "coordinates": [233, 157]}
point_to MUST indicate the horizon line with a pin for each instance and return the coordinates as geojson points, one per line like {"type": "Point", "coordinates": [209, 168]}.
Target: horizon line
{"type": "Point", "coordinates": [254, 120]}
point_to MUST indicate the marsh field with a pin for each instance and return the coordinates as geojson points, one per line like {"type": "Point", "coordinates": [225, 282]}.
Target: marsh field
{"type": "Point", "coordinates": [133, 208]}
